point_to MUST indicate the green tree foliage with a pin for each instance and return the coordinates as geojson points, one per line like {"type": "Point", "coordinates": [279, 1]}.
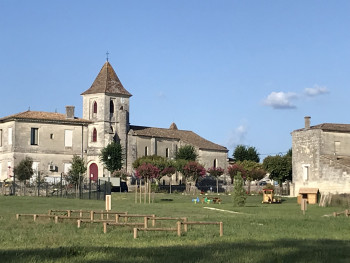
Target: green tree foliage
{"type": "Point", "coordinates": [279, 167]}
{"type": "Point", "coordinates": [112, 156]}
{"type": "Point", "coordinates": [24, 170]}
{"type": "Point", "coordinates": [242, 153]}
{"type": "Point", "coordinates": [187, 152]}
{"type": "Point", "coordinates": [76, 173]}
{"type": "Point", "coordinates": [239, 194]}
{"type": "Point", "coordinates": [253, 170]}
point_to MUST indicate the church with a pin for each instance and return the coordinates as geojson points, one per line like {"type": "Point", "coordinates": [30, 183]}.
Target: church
{"type": "Point", "coordinates": [52, 139]}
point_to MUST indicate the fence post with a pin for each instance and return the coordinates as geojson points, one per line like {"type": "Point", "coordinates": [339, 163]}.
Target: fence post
{"type": "Point", "coordinates": [178, 228]}
{"type": "Point", "coordinates": [221, 229]}
{"type": "Point", "coordinates": [135, 232]}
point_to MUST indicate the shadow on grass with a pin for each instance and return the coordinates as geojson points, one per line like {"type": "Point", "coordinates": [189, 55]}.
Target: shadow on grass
{"type": "Point", "coordinates": [254, 251]}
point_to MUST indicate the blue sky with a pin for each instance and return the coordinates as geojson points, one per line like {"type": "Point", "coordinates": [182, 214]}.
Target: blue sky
{"type": "Point", "coordinates": [235, 72]}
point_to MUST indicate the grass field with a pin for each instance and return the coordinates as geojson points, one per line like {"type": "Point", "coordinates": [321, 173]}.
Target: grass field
{"type": "Point", "coordinates": [257, 233]}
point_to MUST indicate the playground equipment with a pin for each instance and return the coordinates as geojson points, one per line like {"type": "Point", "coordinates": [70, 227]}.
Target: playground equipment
{"type": "Point", "coordinates": [268, 197]}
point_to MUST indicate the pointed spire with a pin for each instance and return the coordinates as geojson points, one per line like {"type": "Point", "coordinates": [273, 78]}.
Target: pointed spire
{"type": "Point", "coordinates": [107, 81]}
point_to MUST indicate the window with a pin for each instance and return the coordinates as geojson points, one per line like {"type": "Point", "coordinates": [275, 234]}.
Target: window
{"type": "Point", "coordinates": [0, 137]}
{"type": "Point", "coordinates": [51, 136]}
{"type": "Point", "coordinates": [306, 172]}
{"type": "Point", "coordinates": [167, 152]}
{"type": "Point", "coordinates": [94, 108]}
{"type": "Point", "coordinates": [68, 138]}
{"type": "Point", "coordinates": [215, 163]}
{"type": "Point", "coordinates": [34, 136]}
{"type": "Point", "coordinates": [94, 135]}
{"type": "Point", "coordinates": [9, 136]}
{"type": "Point", "coordinates": [146, 151]}
{"type": "Point", "coordinates": [111, 107]}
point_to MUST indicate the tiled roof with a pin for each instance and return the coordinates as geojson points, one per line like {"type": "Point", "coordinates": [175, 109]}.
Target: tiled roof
{"type": "Point", "coordinates": [43, 116]}
{"type": "Point", "coordinates": [186, 136]}
{"type": "Point", "coordinates": [107, 81]}
{"type": "Point", "coordinates": [331, 127]}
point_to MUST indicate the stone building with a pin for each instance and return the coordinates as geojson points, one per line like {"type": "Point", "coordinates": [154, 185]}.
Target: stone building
{"type": "Point", "coordinates": [321, 157]}
{"type": "Point", "coordinates": [52, 139]}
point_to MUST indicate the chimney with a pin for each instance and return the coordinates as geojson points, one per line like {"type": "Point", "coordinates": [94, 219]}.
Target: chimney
{"type": "Point", "coordinates": [70, 112]}
{"type": "Point", "coordinates": [307, 122]}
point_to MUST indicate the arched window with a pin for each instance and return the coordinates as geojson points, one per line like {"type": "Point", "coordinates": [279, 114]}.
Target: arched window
{"type": "Point", "coordinates": [94, 108]}
{"type": "Point", "coordinates": [146, 151]}
{"type": "Point", "coordinates": [94, 135]}
{"type": "Point", "coordinates": [111, 106]}
{"type": "Point", "coordinates": [215, 163]}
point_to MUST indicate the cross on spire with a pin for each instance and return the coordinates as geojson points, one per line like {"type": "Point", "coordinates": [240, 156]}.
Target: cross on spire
{"type": "Point", "coordinates": [107, 55]}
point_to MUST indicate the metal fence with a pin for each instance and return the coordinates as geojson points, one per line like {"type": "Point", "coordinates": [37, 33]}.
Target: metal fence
{"type": "Point", "coordinates": [90, 190]}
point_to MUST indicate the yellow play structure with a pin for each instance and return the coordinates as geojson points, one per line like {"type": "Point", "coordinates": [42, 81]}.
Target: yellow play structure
{"type": "Point", "coordinates": [268, 197]}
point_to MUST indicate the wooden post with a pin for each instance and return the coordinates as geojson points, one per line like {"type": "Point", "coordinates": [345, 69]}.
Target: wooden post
{"type": "Point", "coordinates": [145, 220]}
{"type": "Point", "coordinates": [81, 214]}
{"type": "Point", "coordinates": [347, 212]}
{"type": "Point", "coordinates": [135, 232]}
{"type": "Point", "coordinates": [102, 214]}
{"type": "Point", "coordinates": [153, 220]}
{"type": "Point", "coordinates": [149, 191]}
{"type": "Point", "coordinates": [334, 214]}
{"type": "Point", "coordinates": [178, 228]}
{"type": "Point", "coordinates": [185, 225]}
{"type": "Point", "coordinates": [50, 211]}
{"type": "Point", "coordinates": [105, 227]}
{"type": "Point", "coordinates": [117, 218]}
{"type": "Point", "coordinates": [56, 219]}
{"type": "Point", "coordinates": [140, 192]}
{"type": "Point", "coordinates": [92, 215]}
{"type": "Point", "coordinates": [69, 213]}
{"type": "Point", "coordinates": [34, 217]}
{"type": "Point", "coordinates": [79, 221]}
{"type": "Point", "coordinates": [221, 229]}
{"type": "Point", "coordinates": [145, 193]}
{"type": "Point", "coordinates": [17, 216]}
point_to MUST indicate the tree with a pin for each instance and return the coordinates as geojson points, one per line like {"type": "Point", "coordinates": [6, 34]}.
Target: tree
{"type": "Point", "coordinates": [239, 195]}
{"type": "Point", "coordinates": [76, 172]}
{"type": "Point", "coordinates": [192, 171]}
{"type": "Point", "coordinates": [24, 170]}
{"type": "Point", "coordinates": [234, 169]}
{"type": "Point", "coordinates": [243, 152]}
{"type": "Point", "coordinates": [279, 167]}
{"type": "Point", "coordinates": [216, 172]}
{"type": "Point", "coordinates": [112, 156]}
{"type": "Point", "coordinates": [187, 152]}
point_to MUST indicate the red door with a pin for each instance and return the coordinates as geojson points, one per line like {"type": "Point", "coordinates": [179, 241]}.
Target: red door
{"type": "Point", "coordinates": [93, 171]}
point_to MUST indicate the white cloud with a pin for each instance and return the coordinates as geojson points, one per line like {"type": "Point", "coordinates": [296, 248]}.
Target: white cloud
{"type": "Point", "coordinates": [315, 91]}
{"type": "Point", "coordinates": [281, 100]}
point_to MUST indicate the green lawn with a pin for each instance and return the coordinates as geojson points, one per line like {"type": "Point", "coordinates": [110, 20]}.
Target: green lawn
{"type": "Point", "coordinates": [257, 233]}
